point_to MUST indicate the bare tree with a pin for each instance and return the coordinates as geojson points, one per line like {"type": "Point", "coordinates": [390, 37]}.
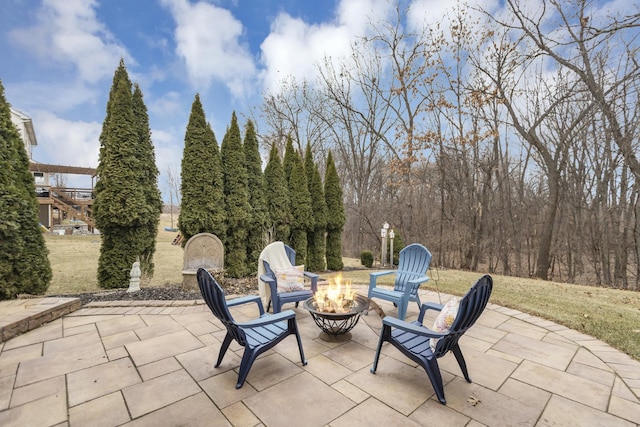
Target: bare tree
{"type": "Point", "coordinates": [59, 180]}
{"type": "Point", "coordinates": [599, 51]}
{"type": "Point", "coordinates": [465, 144]}
{"type": "Point", "coordinates": [537, 103]}
{"type": "Point", "coordinates": [356, 118]}
{"type": "Point", "coordinates": [595, 42]}
{"type": "Point", "coordinates": [289, 112]}
{"type": "Point", "coordinates": [173, 184]}
{"type": "Point", "coordinates": [508, 145]}
{"type": "Point", "coordinates": [394, 67]}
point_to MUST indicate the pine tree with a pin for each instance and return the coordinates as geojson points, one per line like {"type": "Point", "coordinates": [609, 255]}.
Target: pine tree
{"type": "Point", "coordinates": [122, 211]}
{"type": "Point", "coordinates": [278, 201]}
{"type": "Point", "coordinates": [335, 215]}
{"type": "Point", "coordinates": [236, 196]}
{"type": "Point", "coordinates": [257, 198]}
{"type": "Point", "coordinates": [24, 266]}
{"type": "Point", "coordinates": [302, 216]}
{"type": "Point", "coordinates": [149, 181]}
{"type": "Point", "coordinates": [202, 205]}
{"type": "Point", "coordinates": [316, 233]}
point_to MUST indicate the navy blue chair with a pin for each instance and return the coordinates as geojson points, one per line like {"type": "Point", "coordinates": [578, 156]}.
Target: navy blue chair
{"type": "Point", "coordinates": [413, 264]}
{"type": "Point", "coordinates": [256, 336]}
{"type": "Point", "coordinates": [278, 299]}
{"type": "Point", "coordinates": [413, 339]}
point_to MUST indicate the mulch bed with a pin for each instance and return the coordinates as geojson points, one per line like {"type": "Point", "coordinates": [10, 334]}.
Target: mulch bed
{"type": "Point", "coordinates": [243, 286]}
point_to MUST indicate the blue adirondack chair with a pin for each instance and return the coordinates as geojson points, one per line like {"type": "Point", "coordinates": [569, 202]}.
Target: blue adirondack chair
{"type": "Point", "coordinates": [278, 299]}
{"type": "Point", "coordinates": [256, 336]}
{"type": "Point", "coordinates": [413, 339]}
{"type": "Point", "coordinates": [412, 268]}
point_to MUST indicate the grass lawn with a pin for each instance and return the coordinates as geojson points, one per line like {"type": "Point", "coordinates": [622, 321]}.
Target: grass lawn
{"type": "Point", "coordinates": [74, 261]}
{"type": "Point", "coordinates": [610, 315]}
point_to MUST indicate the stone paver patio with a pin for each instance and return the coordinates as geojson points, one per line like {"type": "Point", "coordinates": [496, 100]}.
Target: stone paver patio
{"type": "Point", "coordinates": [151, 363]}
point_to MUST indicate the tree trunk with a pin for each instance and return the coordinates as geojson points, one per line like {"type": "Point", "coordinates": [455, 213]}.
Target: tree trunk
{"type": "Point", "coordinates": [546, 231]}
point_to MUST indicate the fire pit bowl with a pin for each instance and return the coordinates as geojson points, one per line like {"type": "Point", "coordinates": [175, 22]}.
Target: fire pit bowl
{"type": "Point", "coordinates": [335, 327]}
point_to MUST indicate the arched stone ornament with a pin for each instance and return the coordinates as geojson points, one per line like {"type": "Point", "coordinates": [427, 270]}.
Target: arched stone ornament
{"type": "Point", "coordinates": [204, 250]}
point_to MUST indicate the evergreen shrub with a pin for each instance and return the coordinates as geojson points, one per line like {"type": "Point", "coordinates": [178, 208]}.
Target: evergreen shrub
{"type": "Point", "coordinates": [366, 259]}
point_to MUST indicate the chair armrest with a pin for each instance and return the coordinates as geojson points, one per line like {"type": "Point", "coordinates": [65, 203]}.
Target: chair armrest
{"type": "Point", "coordinates": [274, 288]}
{"type": "Point", "coordinates": [245, 300]}
{"type": "Point", "coordinates": [414, 283]}
{"type": "Point", "coordinates": [373, 277]}
{"type": "Point", "coordinates": [269, 319]}
{"type": "Point", "coordinates": [411, 327]}
{"type": "Point", "coordinates": [314, 280]}
{"type": "Point", "coordinates": [273, 285]}
{"type": "Point", "coordinates": [428, 306]}
{"type": "Point", "coordinates": [266, 278]}
{"type": "Point", "coordinates": [418, 280]}
{"type": "Point", "coordinates": [377, 274]}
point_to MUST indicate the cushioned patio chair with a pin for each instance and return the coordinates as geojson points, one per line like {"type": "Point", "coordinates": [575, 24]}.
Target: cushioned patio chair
{"type": "Point", "coordinates": [413, 264]}
{"type": "Point", "coordinates": [275, 258]}
{"type": "Point", "coordinates": [424, 346]}
{"type": "Point", "coordinates": [256, 336]}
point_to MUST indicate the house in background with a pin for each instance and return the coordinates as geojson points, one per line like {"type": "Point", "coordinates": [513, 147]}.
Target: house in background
{"type": "Point", "coordinates": [61, 209]}
{"type": "Point", "coordinates": [24, 124]}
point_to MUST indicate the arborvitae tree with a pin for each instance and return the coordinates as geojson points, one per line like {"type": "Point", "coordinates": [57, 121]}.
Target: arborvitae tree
{"type": "Point", "coordinates": [149, 181]}
{"type": "Point", "coordinates": [236, 196]}
{"type": "Point", "coordinates": [300, 210]}
{"type": "Point", "coordinates": [290, 157]}
{"type": "Point", "coordinates": [278, 201]}
{"type": "Point", "coordinates": [335, 215]}
{"type": "Point", "coordinates": [398, 245]}
{"type": "Point", "coordinates": [316, 234]}
{"type": "Point", "coordinates": [257, 198]}
{"type": "Point", "coordinates": [219, 213]}
{"type": "Point", "coordinates": [120, 73]}
{"type": "Point", "coordinates": [202, 206]}
{"type": "Point", "coordinates": [24, 266]}
{"type": "Point", "coordinates": [121, 209]}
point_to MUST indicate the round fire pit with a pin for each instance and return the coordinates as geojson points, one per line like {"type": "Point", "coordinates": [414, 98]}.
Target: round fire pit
{"type": "Point", "coordinates": [335, 327]}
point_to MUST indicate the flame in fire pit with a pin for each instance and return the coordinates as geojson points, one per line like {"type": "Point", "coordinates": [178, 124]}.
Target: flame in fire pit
{"type": "Point", "coordinates": [333, 298]}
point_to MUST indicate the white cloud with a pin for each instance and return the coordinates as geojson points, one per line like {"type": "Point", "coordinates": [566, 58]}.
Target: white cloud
{"type": "Point", "coordinates": [357, 15]}
{"type": "Point", "coordinates": [429, 12]}
{"type": "Point", "coordinates": [168, 105]}
{"type": "Point", "coordinates": [67, 31]}
{"type": "Point", "coordinates": [434, 12]}
{"type": "Point", "coordinates": [207, 38]}
{"type": "Point", "coordinates": [30, 95]}
{"type": "Point", "coordinates": [66, 142]}
{"type": "Point", "coordinates": [293, 48]}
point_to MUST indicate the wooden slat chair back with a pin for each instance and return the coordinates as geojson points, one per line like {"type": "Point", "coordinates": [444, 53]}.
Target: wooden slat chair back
{"type": "Point", "coordinates": [413, 264]}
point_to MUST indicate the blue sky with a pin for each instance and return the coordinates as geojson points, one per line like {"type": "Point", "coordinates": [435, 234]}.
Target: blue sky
{"type": "Point", "coordinates": [59, 56]}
